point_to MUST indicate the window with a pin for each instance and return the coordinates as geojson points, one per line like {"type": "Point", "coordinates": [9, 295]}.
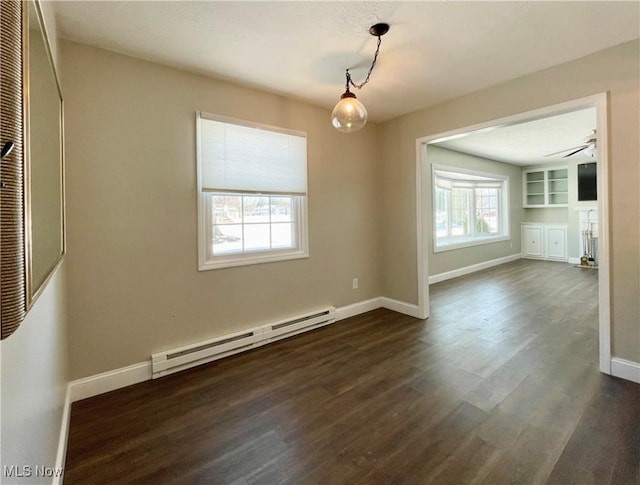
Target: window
{"type": "Point", "coordinates": [252, 184]}
{"type": "Point", "coordinates": [469, 208]}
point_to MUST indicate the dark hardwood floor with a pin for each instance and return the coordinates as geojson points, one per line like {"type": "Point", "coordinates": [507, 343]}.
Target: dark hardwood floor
{"type": "Point", "coordinates": [500, 385]}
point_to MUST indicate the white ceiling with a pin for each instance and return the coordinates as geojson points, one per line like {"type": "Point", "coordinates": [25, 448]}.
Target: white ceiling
{"type": "Point", "coordinates": [527, 143]}
{"type": "Point", "coordinates": [434, 50]}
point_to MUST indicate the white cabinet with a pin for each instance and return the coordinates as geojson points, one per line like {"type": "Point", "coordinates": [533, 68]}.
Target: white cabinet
{"type": "Point", "coordinates": [532, 245]}
{"type": "Point", "coordinates": [545, 187]}
{"type": "Point", "coordinates": [555, 239]}
{"type": "Point", "coordinates": [544, 241]}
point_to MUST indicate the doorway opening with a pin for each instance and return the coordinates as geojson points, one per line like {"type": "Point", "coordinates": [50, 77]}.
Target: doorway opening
{"type": "Point", "coordinates": [427, 230]}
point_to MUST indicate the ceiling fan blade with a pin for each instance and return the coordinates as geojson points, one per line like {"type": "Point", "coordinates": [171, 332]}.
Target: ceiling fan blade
{"type": "Point", "coordinates": [581, 147]}
{"type": "Point", "coordinates": [579, 150]}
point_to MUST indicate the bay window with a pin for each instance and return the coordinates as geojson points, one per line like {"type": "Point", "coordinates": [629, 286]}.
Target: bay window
{"type": "Point", "coordinates": [469, 208]}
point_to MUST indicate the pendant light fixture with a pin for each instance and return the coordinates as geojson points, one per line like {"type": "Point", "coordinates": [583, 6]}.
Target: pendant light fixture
{"type": "Point", "coordinates": [350, 115]}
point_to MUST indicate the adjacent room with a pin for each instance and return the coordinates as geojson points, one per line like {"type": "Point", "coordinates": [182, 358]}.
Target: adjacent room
{"type": "Point", "coordinates": [213, 273]}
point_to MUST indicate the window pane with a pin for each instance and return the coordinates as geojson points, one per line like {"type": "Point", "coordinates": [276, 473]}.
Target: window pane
{"type": "Point", "coordinates": [256, 237]}
{"type": "Point", "coordinates": [227, 209]}
{"type": "Point", "coordinates": [460, 213]}
{"type": "Point", "coordinates": [281, 209]}
{"type": "Point", "coordinates": [442, 212]}
{"type": "Point", "coordinates": [487, 211]}
{"type": "Point", "coordinates": [256, 209]}
{"type": "Point", "coordinates": [282, 235]}
{"type": "Point", "coordinates": [253, 223]}
{"type": "Point", "coordinates": [227, 239]}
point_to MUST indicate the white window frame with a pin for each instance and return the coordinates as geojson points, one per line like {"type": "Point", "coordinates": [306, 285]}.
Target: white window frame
{"type": "Point", "coordinates": [206, 259]}
{"type": "Point", "coordinates": [473, 240]}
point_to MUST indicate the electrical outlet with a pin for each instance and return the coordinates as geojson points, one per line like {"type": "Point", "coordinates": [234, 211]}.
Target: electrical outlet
{"type": "Point", "coordinates": [355, 283]}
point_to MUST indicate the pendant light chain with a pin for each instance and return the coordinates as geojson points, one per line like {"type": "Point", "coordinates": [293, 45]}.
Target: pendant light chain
{"type": "Point", "coordinates": [350, 115]}
{"type": "Point", "coordinates": [373, 64]}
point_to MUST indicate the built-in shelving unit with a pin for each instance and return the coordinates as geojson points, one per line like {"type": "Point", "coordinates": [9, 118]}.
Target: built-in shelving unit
{"type": "Point", "coordinates": [546, 187]}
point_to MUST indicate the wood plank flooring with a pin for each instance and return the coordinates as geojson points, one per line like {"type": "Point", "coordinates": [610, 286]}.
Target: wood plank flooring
{"type": "Point", "coordinates": [500, 385]}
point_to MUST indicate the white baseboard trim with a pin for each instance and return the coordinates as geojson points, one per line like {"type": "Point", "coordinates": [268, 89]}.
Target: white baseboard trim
{"type": "Point", "coordinates": [116, 379]}
{"type": "Point", "coordinates": [574, 260]}
{"type": "Point", "coordinates": [109, 381]}
{"type": "Point", "coordinates": [625, 369]}
{"type": "Point", "coordinates": [401, 307]}
{"type": "Point", "coordinates": [61, 454]}
{"type": "Point", "coordinates": [358, 308]}
{"type": "Point", "coordinates": [437, 278]}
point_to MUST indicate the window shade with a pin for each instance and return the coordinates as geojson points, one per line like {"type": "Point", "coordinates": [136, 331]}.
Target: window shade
{"type": "Point", "coordinates": [450, 180]}
{"type": "Point", "coordinates": [241, 158]}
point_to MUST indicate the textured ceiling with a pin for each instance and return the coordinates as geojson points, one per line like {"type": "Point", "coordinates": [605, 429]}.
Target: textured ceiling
{"type": "Point", "coordinates": [528, 143]}
{"type": "Point", "coordinates": [433, 52]}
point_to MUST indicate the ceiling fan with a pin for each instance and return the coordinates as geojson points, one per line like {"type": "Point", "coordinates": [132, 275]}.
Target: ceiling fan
{"type": "Point", "coordinates": [590, 141]}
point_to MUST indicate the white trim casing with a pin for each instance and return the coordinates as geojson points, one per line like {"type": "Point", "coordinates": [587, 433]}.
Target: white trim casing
{"type": "Point", "coordinates": [600, 101]}
{"type": "Point", "coordinates": [422, 232]}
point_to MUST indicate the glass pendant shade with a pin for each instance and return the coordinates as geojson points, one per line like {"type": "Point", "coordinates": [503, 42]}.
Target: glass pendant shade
{"type": "Point", "coordinates": [349, 115]}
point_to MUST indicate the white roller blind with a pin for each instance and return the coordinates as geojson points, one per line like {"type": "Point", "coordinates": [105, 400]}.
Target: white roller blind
{"type": "Point", "coordinates": [238, 157]}
{"type": "Point", "coordinates": [450, 180]}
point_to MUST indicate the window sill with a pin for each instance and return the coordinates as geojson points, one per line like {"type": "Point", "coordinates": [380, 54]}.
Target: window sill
{"type": "Point", "coordinates": [470, 243]}
{"type": "Point", "coordinates": [246, 260]}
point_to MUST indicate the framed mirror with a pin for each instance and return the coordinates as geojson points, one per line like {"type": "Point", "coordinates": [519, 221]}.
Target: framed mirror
{"type": "Point", "coordinates": [32, 223]}
{"type": "Point", "coordinates": [43, 151]}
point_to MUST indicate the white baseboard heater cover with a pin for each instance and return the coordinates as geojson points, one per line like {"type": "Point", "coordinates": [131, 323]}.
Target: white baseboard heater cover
{"type": "Point", "coordinates": [168, 362]}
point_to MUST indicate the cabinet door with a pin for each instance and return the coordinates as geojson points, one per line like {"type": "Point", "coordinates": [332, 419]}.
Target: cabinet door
{"type": "Point", "coordinates": [532, 242]}
{"type": "Point", "coordinates": [556, 239]}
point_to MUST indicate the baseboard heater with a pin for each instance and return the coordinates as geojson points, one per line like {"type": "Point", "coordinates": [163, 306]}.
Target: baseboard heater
{"type": "Point", "coordinates": [168, 362]}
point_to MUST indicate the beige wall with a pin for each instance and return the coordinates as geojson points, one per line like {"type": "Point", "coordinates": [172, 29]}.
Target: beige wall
{"type": "Point", "coordinates": [615, 70]}
{"type": "Point", "coordinates": [33, 375]}
{"type": "Point", "coordinates": [134, 288]}
{"type": "Point", "coordinates": [444, 261]}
